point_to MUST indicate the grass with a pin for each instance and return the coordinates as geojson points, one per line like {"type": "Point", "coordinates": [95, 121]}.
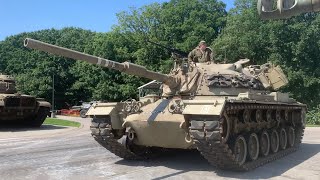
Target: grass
{"type": "Point", "coordinates": [313, 125]}
{"type": "Point", "coordinates": [60, 122]}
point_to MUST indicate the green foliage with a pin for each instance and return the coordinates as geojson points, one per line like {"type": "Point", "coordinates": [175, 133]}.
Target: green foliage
{"type": "Point", "coordinates": [294, 44]}
{"type": "Point", "coordinates": [313, 116]}
{"type": "Point", "coordinates": [245, 35]}
{"type": "Point", "coordinates": [178, 23]}
{"type": "Point", "coordinates": [34, 70]}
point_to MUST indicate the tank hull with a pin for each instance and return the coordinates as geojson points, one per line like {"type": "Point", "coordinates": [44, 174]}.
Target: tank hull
{"type": "Point", "coordinates": [214, 134]}
{"type": "Point", "coordinates": [23, 109]}
{"type": "Point", "coordinates": [165, 133]}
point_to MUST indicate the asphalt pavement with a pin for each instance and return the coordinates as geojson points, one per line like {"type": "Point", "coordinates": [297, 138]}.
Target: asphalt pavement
{"type": "Point", "coordinates": [54, 152]}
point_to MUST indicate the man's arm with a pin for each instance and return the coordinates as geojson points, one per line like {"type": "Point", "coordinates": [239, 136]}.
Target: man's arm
{"type": "Point", "coordinates": [191, 56]}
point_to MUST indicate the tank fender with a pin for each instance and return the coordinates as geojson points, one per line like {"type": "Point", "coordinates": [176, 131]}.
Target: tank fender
{"type": "Point", "coordinates": [44, 104]}
{"type": "Point", "coordinates": [204, 107]}
{"type": "Point", "coordinates": [107, 109]}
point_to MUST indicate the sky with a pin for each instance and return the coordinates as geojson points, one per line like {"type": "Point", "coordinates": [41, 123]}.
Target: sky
{"type": "Point", "coordinates": [17, 16]}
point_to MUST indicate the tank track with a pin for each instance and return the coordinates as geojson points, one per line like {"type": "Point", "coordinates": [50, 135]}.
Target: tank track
{"type": "Point", "coordinates": [103, 133]}
{"type": "Point", "coordinates": [207, 136]}
{"type": "Point", "coordinates": [39, 118]}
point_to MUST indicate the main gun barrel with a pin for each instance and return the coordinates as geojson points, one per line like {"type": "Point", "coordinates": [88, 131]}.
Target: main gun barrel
{"type": "Point", "coordinates": [125, 67]}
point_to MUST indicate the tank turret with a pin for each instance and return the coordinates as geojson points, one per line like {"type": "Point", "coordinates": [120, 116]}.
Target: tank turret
{"type": "Point", "coordinates": [186, 77]}
{"type": "Point", "coordinates": [7, 84]}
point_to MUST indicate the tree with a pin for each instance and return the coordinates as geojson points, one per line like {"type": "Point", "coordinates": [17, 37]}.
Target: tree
{"type": "Point", "coordinates": [177, 23]}
{"type": "Point", "coordinates": [292, 43]}
{"type": "Point", "coordinates": [34, 69]}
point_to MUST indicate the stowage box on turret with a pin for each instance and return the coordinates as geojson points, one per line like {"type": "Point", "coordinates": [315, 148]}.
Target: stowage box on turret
{"type": "Point", "coordinates": [18, 108]}
{"type": "Point", "coordinates": [226, 111]}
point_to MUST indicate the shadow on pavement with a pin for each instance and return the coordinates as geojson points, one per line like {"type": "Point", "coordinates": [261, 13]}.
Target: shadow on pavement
{"type": "Point", "coordinates": [192, 161]}
{"type": "Point", "coordinates": [20, 127]}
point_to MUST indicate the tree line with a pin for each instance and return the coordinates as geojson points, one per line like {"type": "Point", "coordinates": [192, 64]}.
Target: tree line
{"type": "Point", "coordinates": [294, 44]}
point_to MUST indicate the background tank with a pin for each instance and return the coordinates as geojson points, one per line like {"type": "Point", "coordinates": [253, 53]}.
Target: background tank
{"type": "Point", "coordinates": [226, 111]}
{"type": "Point", "coordinates": [19, 108]}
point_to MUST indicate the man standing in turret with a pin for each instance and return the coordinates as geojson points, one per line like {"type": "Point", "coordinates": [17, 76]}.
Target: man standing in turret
{"type": "Point", "coordinates": [201, 54]}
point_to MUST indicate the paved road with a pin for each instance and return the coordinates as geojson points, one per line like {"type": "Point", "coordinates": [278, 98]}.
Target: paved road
{"type": "Point", "coordinates": [71, 153]}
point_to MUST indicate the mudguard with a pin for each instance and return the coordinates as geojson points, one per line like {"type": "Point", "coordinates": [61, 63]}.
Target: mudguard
{"type": "Point", "coordinates": [107, 109]}
{"type": "Point", "coordinates": [44, 104]}
{"type": "Point", "coordinates": [204, 107]}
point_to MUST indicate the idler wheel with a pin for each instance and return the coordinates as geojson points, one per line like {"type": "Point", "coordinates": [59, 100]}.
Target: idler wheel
{"type": "Point", "coordinates": [240, 150]}
{"type": "Point", "coordinates": [291, 137]}
{"type": "Point", "coordinates": [274, 141]}
{"type": "Point", "coordinates": [225, 128]}
{"type": "Point", "coordinates": [264, 143]}
{"type": "Point", "coordinates": [253, 147]}
{"type": "Point", "coordinates": [283, 138]}
{"type": "Point", "coordinates": [136, 149]}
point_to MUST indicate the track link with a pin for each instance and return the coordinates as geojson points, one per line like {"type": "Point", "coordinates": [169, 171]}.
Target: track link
{"type": "Point", "coordinates": [206, 133]}
{"type": "Point", "coordinates": [39, 118]}
{"type": "Point", "coordinates": [103, 133]}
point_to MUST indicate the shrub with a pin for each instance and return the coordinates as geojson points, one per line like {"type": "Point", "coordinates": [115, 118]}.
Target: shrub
{"type": "Point", "coordinates": [313, 116]}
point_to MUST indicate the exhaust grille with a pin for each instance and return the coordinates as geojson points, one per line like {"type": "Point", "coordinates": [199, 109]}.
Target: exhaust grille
{"type": "Point", "coordinates": [16, 101]}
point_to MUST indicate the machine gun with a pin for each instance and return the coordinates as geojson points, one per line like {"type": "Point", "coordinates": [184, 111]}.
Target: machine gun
{"type": "Point", "coordinates": [176, 52]}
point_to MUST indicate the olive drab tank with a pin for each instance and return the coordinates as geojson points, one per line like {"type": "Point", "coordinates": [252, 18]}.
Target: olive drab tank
{"type": "Point", "coordinates": [228, 112]}
{"type": "Point", "coordinates": [18, 108]}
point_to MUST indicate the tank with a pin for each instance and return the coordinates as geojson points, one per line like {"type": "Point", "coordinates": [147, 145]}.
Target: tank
{"type": "Point", "coordinates": [19, 108]}
{"type": "Point", "coordinates": [233, 115]}
{"type": "Point", "coordinates": [281, 9]}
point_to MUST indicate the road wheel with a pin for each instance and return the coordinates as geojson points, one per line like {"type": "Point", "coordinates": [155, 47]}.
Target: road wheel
{"type": "Point", "coordinates": [264, 143]}
{"type": "Point", "coordinates": [253, 147]}
{"type": "Point", "coordinates": [240, 150]}
{"type": "Point", "coordinates": [291, 137]}
{"type": "Point", "coordinates": [283, 138]}
{"type": "Point", "coordinates": [274, 141]}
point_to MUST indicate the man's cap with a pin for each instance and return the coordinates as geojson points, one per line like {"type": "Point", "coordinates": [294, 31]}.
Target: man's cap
{"type": "Point", "coordinates": [202, 42]}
